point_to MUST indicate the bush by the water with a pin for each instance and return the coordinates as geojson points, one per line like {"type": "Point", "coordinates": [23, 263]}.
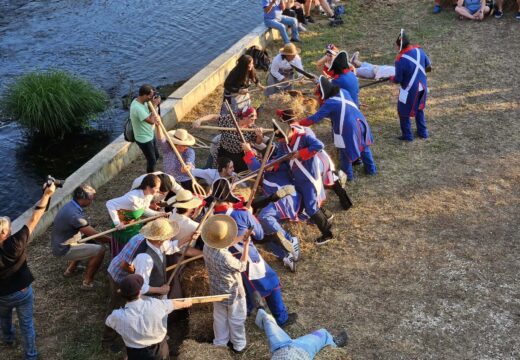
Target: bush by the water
{"type": "Point", "coordinates": [53, 103]}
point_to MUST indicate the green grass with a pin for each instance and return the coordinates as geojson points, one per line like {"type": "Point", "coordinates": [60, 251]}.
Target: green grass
{"type": "Point", "coordinates": [52, 103]}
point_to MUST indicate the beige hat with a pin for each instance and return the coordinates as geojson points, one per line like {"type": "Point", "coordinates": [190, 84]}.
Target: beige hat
{"type": "Point", "coordinates": [219, 231]}
{"type": "Point", "coordinates": [185, 199]}
{"type": "Point", "coordinates": [289, 49]}
{"type": "Point", "coordinates": [160, 230]}
{"type": "Point", "coordinates": [181, 137]}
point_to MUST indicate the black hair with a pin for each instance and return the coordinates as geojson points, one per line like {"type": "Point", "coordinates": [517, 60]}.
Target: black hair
{"type": "Point", "coordinates": [240, 74]}
{"type": "Point", "coordinates": [145, 89]}
{"type": "Point", "coordinates": [83, 191]}
{"type": "Point", "coordinates": [223, 162]}
{"type": "Point", "coordinates": [150, 180]}
{"type": "Point", "coordinates": [130, 298]}
{"type": "Point", "coordinates": [182, 211]}
{"type": "Point", "coordinates": [166, 183]}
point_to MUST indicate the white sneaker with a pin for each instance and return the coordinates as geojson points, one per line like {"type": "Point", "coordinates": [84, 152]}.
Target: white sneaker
{"type": "Point", "coordinates": [355, 59]}
{"type": "Point", "coordinates": [296, 248]}
{"type": "Point", "coordinates": [302, 28]}
{"type": "Point", "coordinates": [289, 263]}
{"type": "Point", "coordinates": [285, 191]}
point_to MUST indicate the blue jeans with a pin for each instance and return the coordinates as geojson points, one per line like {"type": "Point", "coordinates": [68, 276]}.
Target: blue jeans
{"type": "Point", "coordinates": [151, 153]}
{"type": "Point", "coordinates": [22, 301]}
{"type": "Point", "coordinates": [280, 26]}
{"type": "Point", "coordinates": [311, 343]}
{"type": "Point", "coordinates": [268, 218]}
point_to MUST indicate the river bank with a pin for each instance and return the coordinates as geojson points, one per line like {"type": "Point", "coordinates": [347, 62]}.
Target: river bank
{"type": "Point", "coordinates": [425, 264]}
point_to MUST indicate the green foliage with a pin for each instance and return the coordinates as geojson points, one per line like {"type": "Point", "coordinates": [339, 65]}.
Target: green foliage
{"type": "Point", "coordinates": [52, 103]}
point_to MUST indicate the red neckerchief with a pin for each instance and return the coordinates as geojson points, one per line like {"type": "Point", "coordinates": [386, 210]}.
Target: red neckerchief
{"type": "Point", "coordinates": [345, 71]}
{"type": "Point", "coordinates": [222, 208]}
{"type": "Point", "coordinates": [405, 50]}
{"type": "Point", "coordinates": [296, 134]}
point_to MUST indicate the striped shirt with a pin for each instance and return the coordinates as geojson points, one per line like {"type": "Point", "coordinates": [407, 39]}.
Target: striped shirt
{"type": "Point", "coordinates": [115, 269]}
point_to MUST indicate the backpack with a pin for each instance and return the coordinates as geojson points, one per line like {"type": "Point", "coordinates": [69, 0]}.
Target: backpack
{"type": "Point", "coordinates": [128, 131]}
{"type": "Point", "coordinates": [260, 57]}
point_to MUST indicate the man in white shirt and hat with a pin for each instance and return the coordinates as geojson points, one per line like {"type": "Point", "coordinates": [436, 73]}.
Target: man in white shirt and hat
{"type": "Point", "coordinates": [142, 323]}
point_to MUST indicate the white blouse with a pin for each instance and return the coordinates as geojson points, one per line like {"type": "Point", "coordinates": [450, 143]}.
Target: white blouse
{"type": "Point", "coordinates": [278, 65]}
{"type": "Point", "coordinates": [132, 200]}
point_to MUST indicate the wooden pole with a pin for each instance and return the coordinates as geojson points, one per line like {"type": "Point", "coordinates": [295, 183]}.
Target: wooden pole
{"type": "Point", "coordinates": [184, 262]}
{"type": "Point", "coordinates": [197, 188]}
{"type": "Point", "coordinates": [92, 237]}
{"type": "Point", "coordinates": [209, 127]}
{"type": "Point", "coordinates": [237, 127]}
{"type": "Point", "coordinates": [206, 299]}
{"type": "Point", "coordinates": [261, 171]}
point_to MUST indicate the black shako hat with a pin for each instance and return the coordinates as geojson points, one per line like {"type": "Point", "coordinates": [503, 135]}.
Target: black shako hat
{"type": "Point", "coordinates": [340, 62]}
{"type": "Point", "coordinates": [326, 88]}
{"type": "Point", "coordinates": [131, 285]}
{"type": "Point", "coordinates": [221, 191]}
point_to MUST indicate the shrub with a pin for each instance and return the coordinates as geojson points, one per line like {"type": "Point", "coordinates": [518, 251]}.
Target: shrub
{"type": "Point", "coordinates": [52, 103]}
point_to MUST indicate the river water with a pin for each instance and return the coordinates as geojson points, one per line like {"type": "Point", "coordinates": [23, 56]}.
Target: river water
{"type": "Point", "coordinates": [109, 43]}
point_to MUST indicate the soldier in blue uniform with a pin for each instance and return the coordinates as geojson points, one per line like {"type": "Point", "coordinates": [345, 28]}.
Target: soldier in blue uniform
{"type": "Point", "coordinates": [344, 77]}
{"type": "Point", "coordinates": [411, 66]}
{"type": "Point", "coordinates": [352, 135]}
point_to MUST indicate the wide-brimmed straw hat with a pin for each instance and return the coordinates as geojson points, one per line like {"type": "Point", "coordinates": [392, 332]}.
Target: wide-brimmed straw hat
{"type": "Point", "coordinates": [219, 231]}
{"type": "Point", "coordinates": [160, 230]}
{"type": "Point", "coordinates": [185, 199]}
{"type": "Point", "coordinates": [181, 137]}
{"type": "Point", "coordinates": [289, 49]}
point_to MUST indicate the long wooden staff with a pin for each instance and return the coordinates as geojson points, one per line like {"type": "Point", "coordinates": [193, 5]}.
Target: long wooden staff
{"type": "Point", "coordinates": [209, 127]}
{"type": "Point", "coordinates": [197, 188]}
{"type": "Point", "coordinates": [252, 174]}
{"type": "Point", "coordinates": [205, 299]}
{"type": "Point", "coordinates": [72, 241]}
{"type": "Point", "coordinates": [237, 127]}
{"type": "Point", "coordinates": [261, 171]}
{"type": "Point", "coordinates": [274, 85]}
{"type": "Point", "coordinates": [184, 262]}
{"type": "Point", "coordinates": [374, 83]}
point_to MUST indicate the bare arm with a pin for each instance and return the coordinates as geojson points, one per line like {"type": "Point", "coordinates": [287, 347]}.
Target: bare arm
{"type": "Point", "coordinates": [207, 118]}
{"type": "Point", "coordinates": [89, 231]}
{"type": "Point", "coordinates": [40, 207]}
{"type": "Point", "coordinates": [269, 7]}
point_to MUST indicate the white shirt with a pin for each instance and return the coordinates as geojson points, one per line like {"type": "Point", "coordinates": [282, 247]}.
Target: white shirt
{"type": "Point", "coordinates": [132, 200]}
{"type": "Point", "coordinates": [186, 226]}
{"type": "Point", "coordinates": [209, 175]}
{"type": "Point", "coordinates": [142, 322]}
{"type": "Point", "coordinates": [280, 64]}
{"type": "Point", "coordinates": [175, 185]}
{"type": "Point", "coordinates": [143, 263]}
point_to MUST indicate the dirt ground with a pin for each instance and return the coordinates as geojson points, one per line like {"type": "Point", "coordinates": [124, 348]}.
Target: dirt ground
{"type": "Point", "coordinates": [425, 266]}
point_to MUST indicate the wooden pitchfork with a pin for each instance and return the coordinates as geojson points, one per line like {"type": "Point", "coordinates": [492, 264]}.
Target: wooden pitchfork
{"type": "Point", "coordinates": [237, 127]}
{"type": "Point", "coordinates": [197, 188]}
{"type": "Point", "coordinates": [261, 171]}
{"type": "Point", "coordinates": [191, 243]}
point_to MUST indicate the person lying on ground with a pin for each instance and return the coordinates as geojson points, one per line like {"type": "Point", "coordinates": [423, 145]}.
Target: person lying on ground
{"type": "Point", "coordinates": [237, 82]}
{"type": "Point", "coordinates": [142, 323]}
{"type": "Point", "coordinates": [472, 9]}
{"type": "Point", "coordinates": [259, 276]}
{"type": "Point", "coordinates": [143, 123]}
{"type": "Point", "coordinates": [274, 19]}
{"type": "Point", "coordinates": [500, 9]}
{"type": "Point", "coordinates": [16, 277]}
{"type": "Point", "coordinates": [282, 71]}
{"type": "Point", "coordinates": [367, 70]}
{"type": "Point", "coordinates": [70, 222]}
{"type": "Point", "coordinates": [282, 346]}
{"type": "Point", "coordinates": [230, 141]}
{"type": "Point", "coordinates": [182, 141]}
{"type": "Point", "coordinates": [131, 207]}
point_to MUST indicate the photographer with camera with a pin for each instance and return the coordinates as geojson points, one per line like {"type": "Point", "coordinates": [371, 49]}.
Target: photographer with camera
{"type": "Point", "coordinates": [70, 222]}
{"type": "Point", "coordinates": [143, 123]}
{"type": "Point", "coordinates": [16, 278]}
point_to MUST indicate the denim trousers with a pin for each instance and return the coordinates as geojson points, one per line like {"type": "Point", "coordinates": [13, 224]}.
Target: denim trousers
{"type": "Point", "coordinates": [151, 153]}
{"type": "Point", "coordinates": [311, 343]}
{"type": "Point", "coordinates": [280, 26]}
{"type": "Point", "coordinates": [22, 301]}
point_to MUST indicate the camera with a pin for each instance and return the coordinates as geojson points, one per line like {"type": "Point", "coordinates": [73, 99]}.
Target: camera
{"type": "Point", "coordinates": [56, 182]}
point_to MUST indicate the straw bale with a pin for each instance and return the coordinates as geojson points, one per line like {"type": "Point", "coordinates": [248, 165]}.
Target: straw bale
{"type": "Point", "coordinates": [201, 324]}
{"type": "Point", "coordinates": [191, 349]}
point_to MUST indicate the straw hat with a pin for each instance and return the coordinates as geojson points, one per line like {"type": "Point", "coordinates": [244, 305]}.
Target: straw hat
{"type": "Point", "coordinates": [160, 230]}
{"type": "Point", "coordinates": [219, 231]}
{"type": "Point", "coordinates": [181, 137]}
{"type": "Point", "coordinates": [185, 199]}
{"type": "Point", "coordinates": [289, 49]}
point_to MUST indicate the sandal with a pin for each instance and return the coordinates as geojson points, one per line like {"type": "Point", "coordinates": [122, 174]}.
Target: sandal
{"type": "Point", "coordinates": [87, 286]}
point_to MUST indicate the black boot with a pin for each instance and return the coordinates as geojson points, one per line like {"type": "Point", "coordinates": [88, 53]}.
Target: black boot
{"type": "Point", "coordinates": [344, 200]}
{"type": "Point", "coordinates": [324, 225]}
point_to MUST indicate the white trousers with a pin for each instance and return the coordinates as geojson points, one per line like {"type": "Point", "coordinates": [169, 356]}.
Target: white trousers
{"type": "Point", "coordinates": [229, 323]}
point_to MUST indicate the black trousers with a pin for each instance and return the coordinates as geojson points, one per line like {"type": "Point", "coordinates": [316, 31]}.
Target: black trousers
{"type": "Point", "coordinates": [151, 153]}
{"type": "Point", "coordinates": [158, 351]}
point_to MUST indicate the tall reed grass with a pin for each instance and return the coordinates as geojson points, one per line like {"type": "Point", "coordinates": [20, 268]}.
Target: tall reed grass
{"type": "Point", "coordinates": [53, 103]}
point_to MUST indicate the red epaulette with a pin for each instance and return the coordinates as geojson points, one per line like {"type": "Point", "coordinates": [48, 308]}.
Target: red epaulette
{"type": "Point", "coordinates": [405, 50]}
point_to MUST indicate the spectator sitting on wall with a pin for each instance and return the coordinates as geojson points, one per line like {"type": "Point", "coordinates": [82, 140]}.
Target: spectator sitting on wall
{"type": "Point", "coordinates": [274, 19]}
